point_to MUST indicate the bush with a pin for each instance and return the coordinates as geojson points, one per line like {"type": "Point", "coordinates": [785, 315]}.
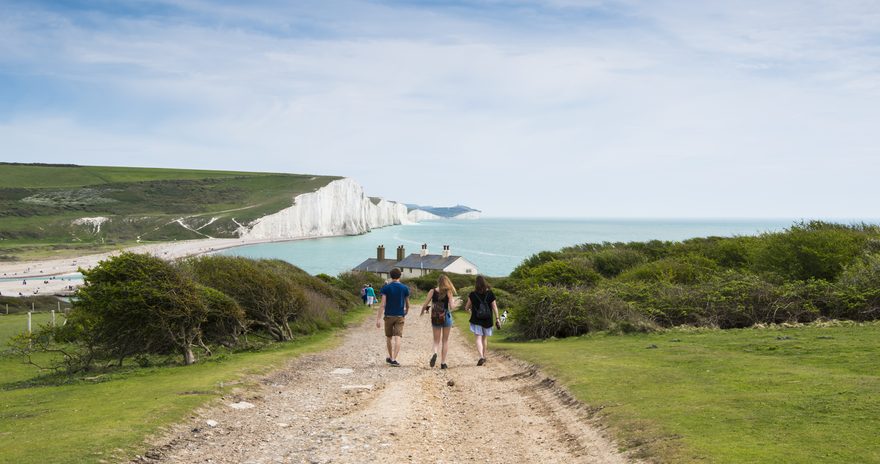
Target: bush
{"type": "Point", "coordinates": [858, 290]}
{"type": "Point", "coordinates": [563, 273]}
{"type": "Point", "coordinates": [226, 321]}
{"type": "Point", "coordinates": [613, 261]}
{"type": "Point", "coordinates": [271, 299]}
{"type": "Point", "coordinates": [352, 282]}
{"type": "Point", "coordinates": [562, 312]}
{"type": "Point", "coordinates": [533, 261]}
{"type": "Point", "coordinates": [138, 304]}
{"type": "Point", "coordinates": [814, 250]}
{"type": "Point", "coordinates": [677, 270]}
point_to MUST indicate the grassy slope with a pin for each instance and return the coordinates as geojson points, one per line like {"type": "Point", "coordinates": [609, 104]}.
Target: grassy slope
{"type": "Point", "coordinates": [749, 395]}
{"type": "Point", "coordinates": [87, 421]}
{"type": "Point", "coordinates": [39, 203]}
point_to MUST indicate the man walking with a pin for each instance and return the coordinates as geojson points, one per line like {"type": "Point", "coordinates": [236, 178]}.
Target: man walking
{"type": "Point", "coordinates": [394, 306]}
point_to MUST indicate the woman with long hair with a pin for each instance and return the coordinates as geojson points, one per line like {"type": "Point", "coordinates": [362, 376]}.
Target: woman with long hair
{"type": "Point", "coordinates": [438, 303]}
{"type": "Point", "coordinates": [484, 313]}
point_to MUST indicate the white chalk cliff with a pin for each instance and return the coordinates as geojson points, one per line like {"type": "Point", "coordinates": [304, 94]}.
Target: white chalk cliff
{"type": "Point", "coordinates": [339, 208]}
{"type": "Point", "coordinates": [468, 215]}
{"type": "Point", "coordinates": [418, 215]}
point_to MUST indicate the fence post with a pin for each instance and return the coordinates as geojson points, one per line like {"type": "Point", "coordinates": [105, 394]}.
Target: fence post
{"type": "Point", "coordinates": [53, 318]}
{"type": "Point", "coordinates": [7, 309]}
{"type": "Point", "coordinates": [29, 322]}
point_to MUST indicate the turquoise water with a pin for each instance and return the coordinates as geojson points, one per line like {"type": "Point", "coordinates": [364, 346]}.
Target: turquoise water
{"type": "Point", "coordinates": [496, 246]}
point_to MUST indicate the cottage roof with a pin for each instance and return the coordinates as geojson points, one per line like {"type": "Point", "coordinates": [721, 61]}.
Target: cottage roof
{"type": "Point", "coordinates": [433, 262]}
{"type": "Point", "coordinates": [374, 265]}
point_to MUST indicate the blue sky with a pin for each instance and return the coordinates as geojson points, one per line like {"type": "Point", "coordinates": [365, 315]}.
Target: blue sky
{"type": "Point", "coordinates": [580, 108]}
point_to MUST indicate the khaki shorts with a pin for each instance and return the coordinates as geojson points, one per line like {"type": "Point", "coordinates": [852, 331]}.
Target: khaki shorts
{"type": "Point", "coordinates": [394, 326]}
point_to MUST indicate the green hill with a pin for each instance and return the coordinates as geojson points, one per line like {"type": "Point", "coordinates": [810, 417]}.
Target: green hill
{"type": "Point", "coordinates": [46, 208]}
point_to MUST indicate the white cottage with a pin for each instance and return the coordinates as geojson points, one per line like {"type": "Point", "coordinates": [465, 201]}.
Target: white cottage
{"type": "Point", "coordinates": [416, 265]}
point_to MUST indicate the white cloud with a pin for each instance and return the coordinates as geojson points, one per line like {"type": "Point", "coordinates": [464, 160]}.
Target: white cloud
{"type": "Point", "coordinates": [740, 109]}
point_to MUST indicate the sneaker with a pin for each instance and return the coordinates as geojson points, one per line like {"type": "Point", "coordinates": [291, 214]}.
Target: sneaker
{"type": "Point", "coordinates": [433, 360]}
{"type": "Point", "coordinates": [395, 363]}
{"type": "Point", "coordinates": [388, 360]}
{"type": "Point", "coordinates": [481, 361]}
{"type": "Point", "coordinates": [443, 366]}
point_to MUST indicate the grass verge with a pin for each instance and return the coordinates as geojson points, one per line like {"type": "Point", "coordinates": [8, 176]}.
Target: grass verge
{"type": "Point", "coordinates": [800, 394]}
{"type": "Point", "coordinates": [109, 416]}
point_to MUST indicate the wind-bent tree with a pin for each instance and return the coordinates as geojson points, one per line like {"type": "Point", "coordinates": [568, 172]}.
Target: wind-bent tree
{"type": "Point", "coordinates": [138, 304]}
{"type": "Point", "coordinates": [270, 299]}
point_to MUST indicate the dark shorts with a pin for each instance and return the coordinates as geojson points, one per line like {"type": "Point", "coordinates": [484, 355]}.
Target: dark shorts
{"type": "Point", "coordinates": [394, 326]}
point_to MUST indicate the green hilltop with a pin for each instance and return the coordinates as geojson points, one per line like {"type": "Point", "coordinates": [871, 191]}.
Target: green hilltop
{"type": "Point", "coordinates": [42, 206]}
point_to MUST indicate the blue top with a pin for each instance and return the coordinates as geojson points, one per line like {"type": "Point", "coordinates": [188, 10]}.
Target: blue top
{"type": "Point", "coordinates": [395, 298]}
{"type": "Point", "coordinates": [370, 291]}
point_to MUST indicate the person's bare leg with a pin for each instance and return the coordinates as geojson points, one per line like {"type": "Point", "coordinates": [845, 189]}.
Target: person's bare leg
{"type": "Point", "coordinates": [388, 345]}
{"type": "Point", "coordinates": [480, 345]}
{"type": "Point", "coordinates": [436, 331]}
{"type": "Point", "coordinates": [395, 347]}
{"type": "Point", "coordinates": [445, 344]}
{"type": "Point", "coordinates": [485, 346]}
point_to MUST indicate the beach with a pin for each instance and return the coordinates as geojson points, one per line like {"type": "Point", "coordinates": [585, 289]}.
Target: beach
{"type": "Point", "coordinates": [60, 276]}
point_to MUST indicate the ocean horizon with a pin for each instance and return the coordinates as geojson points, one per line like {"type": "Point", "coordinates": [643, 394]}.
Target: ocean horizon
{"type": "Point", "coordinates": [496, 245]}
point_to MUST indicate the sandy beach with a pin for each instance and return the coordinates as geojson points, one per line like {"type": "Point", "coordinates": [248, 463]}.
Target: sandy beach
{"type": "Point", "coordinates": [49, 277]}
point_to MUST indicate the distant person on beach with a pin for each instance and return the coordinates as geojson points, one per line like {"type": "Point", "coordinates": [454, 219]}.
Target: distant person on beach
{"type": "Point", "coordinates": [364, 293]}
{"type": "Point", "coordinates": [394, 307]}
{"type": "Point", "coordinates": [371, 295]}
{"type": "Point", "coordinates": [484, 313]}
{"type": "Point", "coordinates": [438, 303]}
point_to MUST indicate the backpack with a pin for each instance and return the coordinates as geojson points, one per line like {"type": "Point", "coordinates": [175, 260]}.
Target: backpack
{"type": "Point", "coordinates": [438, 312]}
{"type": "Point", "coordinates": [483, 310]}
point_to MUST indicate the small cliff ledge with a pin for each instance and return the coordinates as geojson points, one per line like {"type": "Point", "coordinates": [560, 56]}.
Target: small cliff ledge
{"type": "Point", "coordinates": [339, 208]}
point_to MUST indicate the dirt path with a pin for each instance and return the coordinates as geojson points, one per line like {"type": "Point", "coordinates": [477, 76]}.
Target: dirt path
{"type": "Point", "coordinates": [347, 406]}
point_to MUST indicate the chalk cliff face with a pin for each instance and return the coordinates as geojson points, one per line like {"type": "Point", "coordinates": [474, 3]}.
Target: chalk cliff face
{"type": "Point", "coordinates": [339, 208]}
{"type": "Point", "coordinates": [418, 215]}
{"type": "Point", "coordinates": [468, 215]}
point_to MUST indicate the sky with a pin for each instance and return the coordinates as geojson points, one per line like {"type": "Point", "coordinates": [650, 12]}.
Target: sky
{"type": "Point", "coordinates": [539, 108]}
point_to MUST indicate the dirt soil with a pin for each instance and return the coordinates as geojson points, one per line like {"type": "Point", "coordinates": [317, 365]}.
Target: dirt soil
{"type": "Point", "coordinates": [346, 405]}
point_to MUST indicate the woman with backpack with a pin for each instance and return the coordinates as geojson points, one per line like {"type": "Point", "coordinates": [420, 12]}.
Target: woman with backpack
{"type": "Point", "coordinates": [484, 313]}
{"type": "Point", "coordinates": [438, 303]}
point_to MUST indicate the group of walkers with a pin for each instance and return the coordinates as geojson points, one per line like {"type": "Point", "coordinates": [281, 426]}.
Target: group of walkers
{"type": "Point", "coordinates": [394, 306]}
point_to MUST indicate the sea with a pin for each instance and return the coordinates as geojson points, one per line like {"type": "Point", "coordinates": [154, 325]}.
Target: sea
{"type": "Point", "coordinates": [495, 245]}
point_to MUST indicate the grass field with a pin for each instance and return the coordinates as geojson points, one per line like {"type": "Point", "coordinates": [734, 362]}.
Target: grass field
{"type": "Point", "coordinates": [109, 416]}
{"type": "Point", "coordinates": [769, 395]}
{"type": "Point", "coordinates": [40, 205]}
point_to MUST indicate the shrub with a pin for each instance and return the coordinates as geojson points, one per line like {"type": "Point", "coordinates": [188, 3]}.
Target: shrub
{"type": "Point", "coordinates": [226, 321]}
{"type": "Point", "coordinates": [688, 269]}
{"type": "Point", "coordinates": [564, 273]}
{"type": "Point", "coordinates": [561, 312]}
{"type": "Point", "coordinates": [351, 282]}
{"type": "Point", "coordinates": [133, 304]}
{"type": "Point", "coordinates": [613, 261]}
{"type": "Point", "coordinates": [858, 290]}
{"type": "Point", "coordinates": [535, 260]}
{"type": "Point", "coordinates": [814, 250]}
{"type": "Point", "coordinates": [270, 299]}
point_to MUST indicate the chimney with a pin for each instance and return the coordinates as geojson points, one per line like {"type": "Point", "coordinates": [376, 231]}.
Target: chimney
{"type": "Point", "coordinates": [380, 253]}
{"type": "Point", "coordinates": [445, 251]}
{"type": "Point", "coordinates": [424, 249]}
{"type": "Point", "coordinates": [400, 253]}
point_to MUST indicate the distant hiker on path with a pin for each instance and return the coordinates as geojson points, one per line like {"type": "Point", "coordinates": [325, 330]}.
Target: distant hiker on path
{"type": "Point", "coordinates": [394, 306]}
{"type": "Point", "coordinates": [438, 303]}
{"type": "Point", "coordinates": [364, 293]}
{"type": "Point", "coordinates": [371, 295]}
{"type": "Point", "coordinates": [484, 312]}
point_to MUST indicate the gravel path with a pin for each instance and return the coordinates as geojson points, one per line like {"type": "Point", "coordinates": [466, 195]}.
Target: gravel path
{"type": "Point", "coordinates": [346, 405]}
